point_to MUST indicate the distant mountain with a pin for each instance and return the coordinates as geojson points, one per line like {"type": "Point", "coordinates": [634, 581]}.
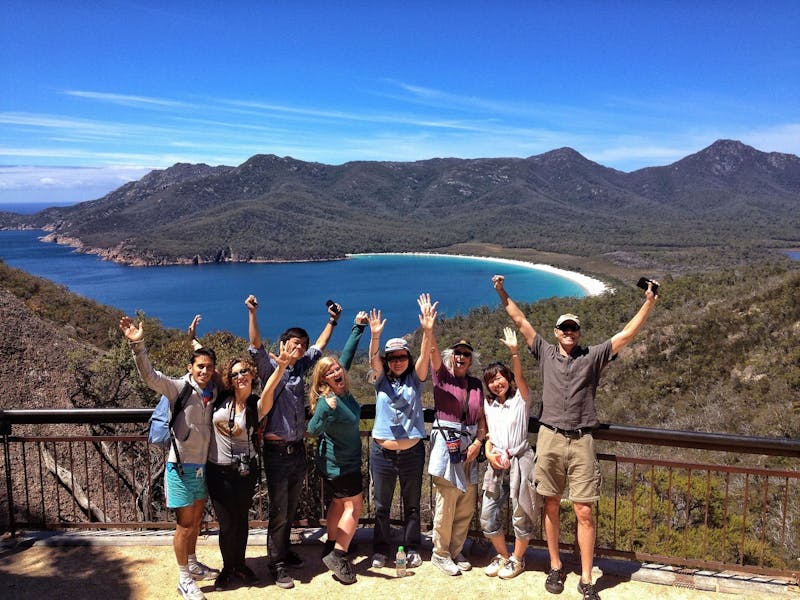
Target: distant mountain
{"type": "Point", "coordinates": [727, 198]}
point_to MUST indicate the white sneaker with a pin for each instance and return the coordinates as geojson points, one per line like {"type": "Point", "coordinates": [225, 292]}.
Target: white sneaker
{"type": "Point", "coordinates": [445, 564]}
{"type": "Point", "coordinates": [462, 563]}
{"type": "Point", "coordinates": [379, 560]}
{"type": "Point", "coordinates": [512, 568]}
{"type": "Point", "coordinates": [498, 562]}
{"type": "Point", "coordinates": [190, 591]}
{"type": "Point", "coordinates": [413, 560]}
{"type": "Point", "coordinates": [199, 571]}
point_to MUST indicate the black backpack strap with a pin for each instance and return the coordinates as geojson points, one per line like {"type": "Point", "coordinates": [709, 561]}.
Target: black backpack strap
{"type": "Point", "coordinates": [177, 407]}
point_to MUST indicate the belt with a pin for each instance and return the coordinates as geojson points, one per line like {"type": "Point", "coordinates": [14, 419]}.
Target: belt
{"type": "Point", "coordinates": [573, 434]}
{"type": "Point", "coordinates": [284, 446]}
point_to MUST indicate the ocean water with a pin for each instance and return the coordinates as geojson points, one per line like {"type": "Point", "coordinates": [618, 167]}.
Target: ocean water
{"type": "Point", "coordinates": [29, 208]}
{"type": "Point", "coordinates": [289, 294]}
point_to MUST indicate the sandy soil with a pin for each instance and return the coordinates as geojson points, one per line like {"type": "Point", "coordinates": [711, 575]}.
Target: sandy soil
{"type": "Point", "coordinates": [148, 572]}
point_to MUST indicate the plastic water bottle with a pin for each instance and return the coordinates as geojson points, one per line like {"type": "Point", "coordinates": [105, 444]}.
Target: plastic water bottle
{"type": "Point", "coordinates": [400, 561]}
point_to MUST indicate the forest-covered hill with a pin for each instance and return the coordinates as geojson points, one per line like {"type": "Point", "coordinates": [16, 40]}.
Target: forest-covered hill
{"type": "Point", "coordinates": [725, 205]}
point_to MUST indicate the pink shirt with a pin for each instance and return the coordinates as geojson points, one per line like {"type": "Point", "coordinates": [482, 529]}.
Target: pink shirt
{"type": "Point", "coordinates": [450, 394]}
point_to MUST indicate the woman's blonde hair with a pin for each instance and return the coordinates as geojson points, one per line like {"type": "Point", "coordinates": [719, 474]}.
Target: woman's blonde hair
{"type": "Point", "coordinates": [318, 386]}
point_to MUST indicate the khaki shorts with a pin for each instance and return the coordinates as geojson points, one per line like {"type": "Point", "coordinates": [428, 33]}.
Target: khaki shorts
{"type": "Point", "coordinates": [562, 463]}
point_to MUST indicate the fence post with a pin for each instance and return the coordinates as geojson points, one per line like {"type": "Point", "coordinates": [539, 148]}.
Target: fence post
{"type": "Point", "coordinates": [5, 431]}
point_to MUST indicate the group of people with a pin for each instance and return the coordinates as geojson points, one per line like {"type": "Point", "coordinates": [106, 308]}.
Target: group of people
{"type": "Point", "coordinates": [215, 447]}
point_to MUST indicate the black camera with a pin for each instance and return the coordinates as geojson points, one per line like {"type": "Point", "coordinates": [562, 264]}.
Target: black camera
{"type": "Point", "coordinates": [643, 281]}
{"type": "Point", "coordinates": [242, 462]}
{"type": "Point", "coordinates": [331, 304]}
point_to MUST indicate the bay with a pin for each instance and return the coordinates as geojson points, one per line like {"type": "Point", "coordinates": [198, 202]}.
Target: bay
{"type": "Point", "coordinates": [289, 294]}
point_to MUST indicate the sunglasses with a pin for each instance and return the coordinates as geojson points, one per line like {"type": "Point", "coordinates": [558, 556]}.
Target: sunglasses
{"type": "Point", "coordinates": [242, 373]}
{"type": "Point", "coordinates": [569, 327]}
{"type": "Point", "coordinates": [397, 358]}
{"type": "Point", "coordinates": [463, 353]}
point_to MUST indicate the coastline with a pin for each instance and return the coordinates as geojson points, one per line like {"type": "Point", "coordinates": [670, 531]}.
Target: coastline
{"type": "Point", "coordinates": [592, 286]}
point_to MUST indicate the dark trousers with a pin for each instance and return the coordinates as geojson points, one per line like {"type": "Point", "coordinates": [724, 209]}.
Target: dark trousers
{"type": "Point", "coordinates": [386, 467]}
{"type": "Point", "coordinates": [231, 494]}
{"type": "Point", "coordinates": [285, 469]}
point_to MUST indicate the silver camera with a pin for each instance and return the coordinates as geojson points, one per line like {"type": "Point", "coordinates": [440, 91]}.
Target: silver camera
{"type": "Point", "coordinates": [242, 462]}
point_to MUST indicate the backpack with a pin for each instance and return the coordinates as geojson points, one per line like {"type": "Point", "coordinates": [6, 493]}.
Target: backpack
{"type": "Point", "coordinates": [162, 420]}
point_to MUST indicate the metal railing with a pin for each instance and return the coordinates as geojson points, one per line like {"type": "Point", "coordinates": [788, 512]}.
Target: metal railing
{"type": "Point", "coordinates": [733, 513]}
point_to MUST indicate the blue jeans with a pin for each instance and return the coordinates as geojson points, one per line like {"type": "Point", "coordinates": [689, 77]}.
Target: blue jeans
{"type": "Point", "coordinates": [286, 472]}
{"type": "Point", "coordinates": [385, 467]}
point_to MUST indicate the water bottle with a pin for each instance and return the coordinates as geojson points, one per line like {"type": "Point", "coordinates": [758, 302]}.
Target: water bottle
{"type": "Point", "coordinates": [400, 562]}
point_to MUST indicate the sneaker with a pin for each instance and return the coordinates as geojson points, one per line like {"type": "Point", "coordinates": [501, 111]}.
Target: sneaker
{"type": "Point", "coordinates": [445, 564]}
{"type": "Point", "coordinates": [379, 560]}
{"type": "Point", "coordinates": [190, 591]}
{"type": "Point", "coordinates": [588, 591]}
{"type": "Point", "coordinates": [281, 577]}
{"type": "Point", "coordinates": [512, 568]}
{"type": "Point", "coordinates": [413, 559]}
{"type": "Point", "coordinates": [341, 567]}
{"type": "Point", "coordinates": [555, 581]}
{"type": "Point", "coordinates": [199, 571]}
{"type": "Point", "coordinates": [223, 581]}
{"type": "Point", "coordinates": [462, 563]}
{"type": "Point", "coordinates": [294, 560]}
{"type": "Point", "coordinates": [498, 562]}
{"type": "Point", "coordinates": [327, 547]}
{"type": "Point", "coordinates": [245, 573]}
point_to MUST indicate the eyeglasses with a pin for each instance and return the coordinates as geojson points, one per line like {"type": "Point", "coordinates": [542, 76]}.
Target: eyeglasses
{"type": "Point", "coordinates": [242, 373]}
{"type": "Point", "coordinates": [569, 327]}
{"type": "Point", "coordinates": [463, 353]}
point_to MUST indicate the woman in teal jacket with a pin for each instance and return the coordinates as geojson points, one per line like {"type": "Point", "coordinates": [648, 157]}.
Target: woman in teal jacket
{"type": "Point", "coordinates": [338, 456]}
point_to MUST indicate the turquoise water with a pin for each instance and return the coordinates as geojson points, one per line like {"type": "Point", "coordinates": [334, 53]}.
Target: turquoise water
{"type": "Point", "coordinates": [289, 294]}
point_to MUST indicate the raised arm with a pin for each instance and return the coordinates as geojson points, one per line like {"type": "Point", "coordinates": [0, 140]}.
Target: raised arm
{"type": "Point", "coordinates": [252, 321]}
{"type": "Point", "coordinates": [192, 330]}
{"type": "Point", "coordinates": [427, 319]}
{"type": "Point", "coordinates": [525, 328]}
{"type": "Point", "coordinates": [624, 337]}
{"type": "Point", "coordinates": [376, 325]}
{"type": "Point", "coordinates": [350, 346]}
{"type": "Point", "coordinates": [510, 340]}
{"type": "Point", "coordinates": [334, 311]}
{"type": "Point", "coordinates": [267, 399]}
{"type": "Point", "coordinates": [425, 305]}
{"type": "Point", "coordinates": [153, 379]}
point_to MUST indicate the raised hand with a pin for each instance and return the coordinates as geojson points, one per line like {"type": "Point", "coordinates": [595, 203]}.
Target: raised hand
{"type": "Point", "coordinates": [131, 331]}
{"type": "Point", "coordinates": [361, 318]}
{"type": "Point", "coordinates": [251, 302]}
{"type": "Point", "coordinates": [427, 311]}
{"type": "Point", "coordinates": [376, 324]}
{"type": "Point", "coordinates": [286, 356]}
{"type": "Point", "coordinates": [497, 281]}
{"type": "Point", "coordinates": [510, 339]}
{"type": "Point", "coordinates": [193, 327]}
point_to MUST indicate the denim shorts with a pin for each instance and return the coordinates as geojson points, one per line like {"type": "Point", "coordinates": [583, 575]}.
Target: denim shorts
{"type": "Point", "coordinates": [184, 490]}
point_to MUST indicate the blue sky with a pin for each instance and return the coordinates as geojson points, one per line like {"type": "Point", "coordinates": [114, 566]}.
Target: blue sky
{"type": "Point", "coordinates": [94, 93]}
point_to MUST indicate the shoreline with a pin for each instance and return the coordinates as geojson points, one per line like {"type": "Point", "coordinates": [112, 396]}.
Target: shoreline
{"type": "Point", "coordinates": [590, 285]}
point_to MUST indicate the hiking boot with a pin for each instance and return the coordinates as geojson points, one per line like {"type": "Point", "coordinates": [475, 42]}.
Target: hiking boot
{"type": "Point", "coordinates": [293, 560]}
{"type": "Point", "coordinates": [445, 564]}
{"type": "Point", "coordinates": [512, 568]}
{"type": "Point", "coordinates": [199, 571]}
{"type": "Point", "coordinates": [189, 590]}
{"type": "Point", "coordinates": [341, 568]}
{"type": "Point", "coordinates": [462, 563]}
{"type": "Point", "coordinates": [379, 560]}
{"type": "Point", "coordinates": [587, 591]}
{"type": "Point", "coordinates": [413, 559]}
{"type": "Point", "coordinates": [282, 577]}
{"type": "Point", "coordinates": [555, 581]}
{"type": "Point", "coordinates": [498, 562]}
{"type": "Point", "coordinates": [327, 548]}
{"type": "Point", "coordinates": [245, 573]}
{"type": "Point", "coordinates": [223, 581]}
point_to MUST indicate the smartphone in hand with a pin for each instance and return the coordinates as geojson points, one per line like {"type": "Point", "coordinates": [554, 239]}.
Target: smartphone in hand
{"type": "Point", "coordinates": [643, 281]}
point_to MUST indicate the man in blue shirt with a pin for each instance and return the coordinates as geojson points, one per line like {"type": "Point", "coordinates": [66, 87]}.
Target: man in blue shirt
{"type": "Point", "coordinates": [284, 449]}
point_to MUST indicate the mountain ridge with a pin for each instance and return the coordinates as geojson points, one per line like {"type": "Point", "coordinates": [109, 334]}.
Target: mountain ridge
{"type": "Point", "coordinates": [728, 197]}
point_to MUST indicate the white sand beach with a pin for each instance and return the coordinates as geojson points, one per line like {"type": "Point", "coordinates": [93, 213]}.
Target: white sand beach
{"type": "Point", "coordinates": [592, 286]}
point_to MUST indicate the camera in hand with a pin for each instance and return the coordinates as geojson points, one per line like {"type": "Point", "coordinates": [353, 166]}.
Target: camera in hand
{"type": "Point", "coordinates": [331, 304]}
{"type": "Point", "coordinates": [643, 281]}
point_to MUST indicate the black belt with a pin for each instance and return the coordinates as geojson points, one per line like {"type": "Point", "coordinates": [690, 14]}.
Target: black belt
{"type": "Point", "coordinates": [284, 446]}
{"type": "Point", "coordinates": [573, 434]}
